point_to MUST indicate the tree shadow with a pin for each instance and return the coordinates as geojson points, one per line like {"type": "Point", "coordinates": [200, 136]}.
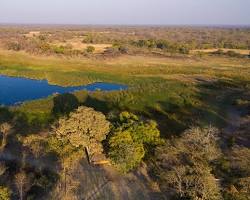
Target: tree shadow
{"type": "Point", "coordinates": [11, 156]}
{"type": "Point", "coordinates": [44, 181]}
{"type": "Point", "coordinates": [215, 98]}
{"type": "Point", "coordinates": [97, 104]}
{"type": "Point", "coordinates": [19, 121]}
{"type": "Point", "coordinates": [166, 125]}
{"type": "Point", "coordinates": [5, 114]}
{"type": "Point", "coordinates": [64, 104]}
{"type": "Point", "coordinates": [19, 158]}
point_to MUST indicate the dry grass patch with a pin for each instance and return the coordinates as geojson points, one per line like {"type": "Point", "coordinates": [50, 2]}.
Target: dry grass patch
{"type": "Point", "coordinates": [240, 51]}
{"type": "Point", "coordinates": [77, 44]}
{"type": "Point", "coordinates": [32, 34]}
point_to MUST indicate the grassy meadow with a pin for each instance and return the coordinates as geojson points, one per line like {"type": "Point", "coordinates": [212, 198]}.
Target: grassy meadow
{"type": "Point", "coordinates": [178, 92]}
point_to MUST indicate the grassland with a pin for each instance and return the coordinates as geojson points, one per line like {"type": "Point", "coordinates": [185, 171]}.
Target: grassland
{"type": "Point", "coordinates": [74, 71]}
{"type": "Point", "coordinates": [77, 44]}
{"type": "Point", "coordinates": [176, 91]}
{"type": "Point", "coordinates": [239, 51]}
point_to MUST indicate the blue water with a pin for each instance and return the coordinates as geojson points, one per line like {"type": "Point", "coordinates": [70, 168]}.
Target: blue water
{"type": "Point", "coordinates": [17, 90]}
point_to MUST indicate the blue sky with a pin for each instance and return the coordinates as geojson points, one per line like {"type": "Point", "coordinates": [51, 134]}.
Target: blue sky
{"type": "Point", "coordinates": [166, 12]}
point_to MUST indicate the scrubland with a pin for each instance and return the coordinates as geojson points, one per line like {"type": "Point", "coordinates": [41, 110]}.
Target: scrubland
{"type": "Point", "coordinates": [180, 130]}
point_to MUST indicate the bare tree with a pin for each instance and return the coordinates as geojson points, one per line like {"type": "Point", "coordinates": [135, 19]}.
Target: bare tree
{"type": "Point", "coordinates": [184, 164]}
{"type": "Point", "coordinates": [22, 183]}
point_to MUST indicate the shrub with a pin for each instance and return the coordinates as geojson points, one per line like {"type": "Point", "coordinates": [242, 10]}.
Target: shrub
{"type": "Point", "coordinates": [59, 49]}
{"type": "Point", "coordinates": [90, 49]}
{"type": "Point", "coordinates": [123, 49]}
{"type": "Point", "coordinates": [113, 51]}
{"type": "Point", "coordinates": [219, 52]}
{"type": "Point", "coordinates": [162, 44]}
{"type": "Point", "coordinates": [233, 54]}
{"type": "Point", "coordinates": [4, 193]}
{"type": "Point", "coordinates": [89, 39]}
{"type": "Point", "coordinates": [184, 50]}
{"type": "Point", "coordinates": [44, 47]}
{"type": "Point", "coordinates": [124, 152]}
{"type": "Point", "coordinates": [16, 46]}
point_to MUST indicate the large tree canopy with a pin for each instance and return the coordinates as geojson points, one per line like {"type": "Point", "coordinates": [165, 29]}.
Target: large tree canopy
{"type": "Point", "coordinates": [129, 137]}
{"type": "Point", "coordinates": [83, 128]}
{"type": "Point", "coordinates": [124, 152]}
{"type": "Point", "coordinates": [4, 193]}
{"type": "Point", "coordinates": [184, 164]}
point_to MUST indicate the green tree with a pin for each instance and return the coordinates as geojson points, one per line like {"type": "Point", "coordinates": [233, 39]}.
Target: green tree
{"type": "Point", "coordinates": [130, 135]}
{"type": "Point", "coordinates": [4, 193]}
{"type": "Point", "coordinates": [144, 132]}
{"type": "Point", "coordinates": [151, 43]}
{"type": "Point", "coordinates": [90, 49]}
{"type": "Point", "coordinates": [59, 49]}
{"type": "Point", "coordinates": [124, 152]}
{"type": "Point", "coordinates": [83, 128]}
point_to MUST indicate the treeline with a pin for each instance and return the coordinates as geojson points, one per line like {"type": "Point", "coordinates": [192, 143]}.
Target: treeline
{"type": "Point", "coordinates": [193, 37]}
{"type": "Point", "coordinates": [162, 45]}
{"type": "Point", "coordinates": [41, 46]}
{"type": "Point", "coordinates": [230, 54]}
{"type": "Point", "coordinates": [168, 39]}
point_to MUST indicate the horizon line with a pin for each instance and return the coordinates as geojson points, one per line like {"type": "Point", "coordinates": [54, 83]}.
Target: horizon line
{"type": "Point", "coordinates": [133, 25]}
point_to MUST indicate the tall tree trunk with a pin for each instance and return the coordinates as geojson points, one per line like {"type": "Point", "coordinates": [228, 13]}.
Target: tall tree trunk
{"type": "Point", "coordinates": [65, 180]}
{"type": "Point", "coordinates": [21, 192]}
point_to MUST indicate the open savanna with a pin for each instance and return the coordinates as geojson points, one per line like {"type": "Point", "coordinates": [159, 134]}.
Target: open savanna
{"type": "Point", "coordinates": [77, 44]}
{"type": "Point", "coordinates": [176, 91]}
